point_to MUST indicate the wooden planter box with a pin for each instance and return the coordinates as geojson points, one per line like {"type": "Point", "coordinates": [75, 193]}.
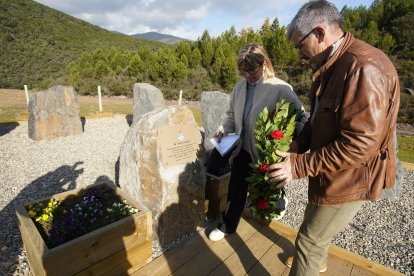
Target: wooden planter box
{"type": "Point", "coordinates": [216, 194]}
{"type": "Point", "coordinates": [118, 248]}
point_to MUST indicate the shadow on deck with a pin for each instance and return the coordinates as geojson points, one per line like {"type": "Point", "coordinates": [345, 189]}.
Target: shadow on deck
{"type": "Point", "coordinates": [254, 250]}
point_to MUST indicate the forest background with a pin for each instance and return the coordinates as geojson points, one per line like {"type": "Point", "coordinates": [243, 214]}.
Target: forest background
{"type": "Point", "coordinates": [41, 47]}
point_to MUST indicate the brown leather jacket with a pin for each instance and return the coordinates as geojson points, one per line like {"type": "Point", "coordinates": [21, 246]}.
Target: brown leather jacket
{"type": "Point", "coordinates": [351, 136]}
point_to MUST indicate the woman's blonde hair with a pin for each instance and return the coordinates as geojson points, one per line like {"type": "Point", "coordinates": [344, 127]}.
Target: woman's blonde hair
{"type": "Point", "coordinates": [252, 56]}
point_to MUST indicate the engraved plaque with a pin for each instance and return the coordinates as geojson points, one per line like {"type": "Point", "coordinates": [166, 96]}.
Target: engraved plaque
{"type": "Point", "coordinates": [179, 144]}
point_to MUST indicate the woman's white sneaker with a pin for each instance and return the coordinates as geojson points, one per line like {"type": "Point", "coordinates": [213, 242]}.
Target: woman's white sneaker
{"type": "Point", "coordinates": [216, 235]}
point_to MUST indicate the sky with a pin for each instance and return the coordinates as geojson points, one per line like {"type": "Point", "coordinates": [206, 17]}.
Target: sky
{"type": "Point", "coordinates": [183, 18]}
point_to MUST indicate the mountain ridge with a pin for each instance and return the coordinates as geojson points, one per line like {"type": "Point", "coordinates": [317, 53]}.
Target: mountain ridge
{"type": "Point", "coordinates": [38, 42]}
{"type": "Point", "coordinates": [155, 36]}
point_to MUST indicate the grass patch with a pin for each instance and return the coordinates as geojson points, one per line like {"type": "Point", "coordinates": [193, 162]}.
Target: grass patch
{"type": "Point", "coordinates": [406, 148]}
{"type": "Point", "coordinates": [87, 110]}
{"type": "Point", "coordinates": [197, 115]}
{"type": "Point", "coordinates": [13, 114]}
{"type": "Point", "coordinates": [91, 110]}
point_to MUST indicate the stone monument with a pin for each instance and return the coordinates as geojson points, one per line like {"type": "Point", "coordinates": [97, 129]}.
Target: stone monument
{"type": "Point", "coordinates": [160, 167]}
{"type": "Point", "coordinates": [54, 113]}
{"type": "Point", "coordinates": [146, 99]}
{"type": "Point", "coordinates": [214, 105]}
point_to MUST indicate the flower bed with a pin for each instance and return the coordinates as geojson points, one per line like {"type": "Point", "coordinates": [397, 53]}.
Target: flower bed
{"type": "Point", "coordinates": [94, 230]}
{"type": "Point", "coordinates": [61, 221]}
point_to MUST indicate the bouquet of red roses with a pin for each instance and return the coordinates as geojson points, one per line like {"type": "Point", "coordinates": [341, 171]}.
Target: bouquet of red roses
{"type": "Point", "coordinates": [274, 132]}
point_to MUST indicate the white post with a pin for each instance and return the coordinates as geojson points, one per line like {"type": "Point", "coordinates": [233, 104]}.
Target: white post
{"type": "Point", "coordinates": [100, 98]}
{"type": "Point", "coordinates": [26, 92]}
{"type": "Point", "coordinates": [181, 96]}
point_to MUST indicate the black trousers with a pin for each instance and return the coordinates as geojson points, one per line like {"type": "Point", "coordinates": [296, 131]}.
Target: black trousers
{"type": "Point", "coordinates": [237, 193]}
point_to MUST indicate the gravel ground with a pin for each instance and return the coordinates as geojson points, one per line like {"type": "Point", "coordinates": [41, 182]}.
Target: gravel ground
{"type": "Point", "coordinates": [382, 231]}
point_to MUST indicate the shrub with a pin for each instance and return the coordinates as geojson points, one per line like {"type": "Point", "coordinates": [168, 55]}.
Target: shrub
{"type": "Point", "coordinates": [117, 86]}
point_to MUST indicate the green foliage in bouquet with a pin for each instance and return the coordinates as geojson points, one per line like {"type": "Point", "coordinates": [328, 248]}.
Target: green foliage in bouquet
{"type": "Point", "coordinates": [274, 132]}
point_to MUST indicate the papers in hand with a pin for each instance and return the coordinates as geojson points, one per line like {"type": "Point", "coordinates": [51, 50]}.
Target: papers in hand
{"type": "Point", "coordinates": [226, 144]}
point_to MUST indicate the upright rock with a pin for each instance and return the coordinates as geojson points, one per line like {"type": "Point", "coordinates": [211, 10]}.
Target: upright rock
{"type": "Point", "coordinates": [146, 99]}
{"type": "Point", "coordinates": [54, 113]}
{"type": "Point", "coordinates": [214, 105]}
{"type": "Point", "coordinates": [160, 167]}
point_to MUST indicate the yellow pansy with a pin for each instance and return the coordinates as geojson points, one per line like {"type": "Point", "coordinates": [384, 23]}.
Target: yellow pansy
{"type": "Point", "coordinates": [32, 213]}
{"type": "Point", "coordinates": [45, 217]}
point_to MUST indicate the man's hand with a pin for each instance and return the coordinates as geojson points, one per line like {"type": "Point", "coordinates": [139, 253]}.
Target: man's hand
{"type": "Point", "coordinates": [218, 136]}
{"type": "Point", "coordinates": [281, 171]}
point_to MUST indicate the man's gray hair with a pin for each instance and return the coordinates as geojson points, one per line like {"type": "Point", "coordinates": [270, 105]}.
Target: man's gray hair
{"type": "Point", "coordinates": [313, 13]}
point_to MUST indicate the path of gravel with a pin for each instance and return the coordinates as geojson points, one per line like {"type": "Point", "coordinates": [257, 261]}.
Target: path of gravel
{"type": "Point", "coordinates": [29, 170]}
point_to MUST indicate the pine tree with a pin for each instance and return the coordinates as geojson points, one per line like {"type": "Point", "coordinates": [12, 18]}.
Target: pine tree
{"type": "Point", "coordinates": [101, 69]}
{"type": "Point", "coordinates": [98, 55]}
{"type": "Point", "coordinates": [136, 66]}
{"type": "Point", "coordinates": [370, 34]}
{"type": "Point", "coordinates": [195, 60]}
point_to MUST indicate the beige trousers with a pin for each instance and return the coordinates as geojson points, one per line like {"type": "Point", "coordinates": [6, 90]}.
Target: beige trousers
{"type": "Point", "coordinates": [320, 225]}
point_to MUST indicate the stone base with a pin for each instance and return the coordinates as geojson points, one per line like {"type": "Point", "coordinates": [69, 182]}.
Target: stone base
{"type": "Point", "coordinates": [160, 165]}
{"type": "Point", "coordinates": [54, 113]}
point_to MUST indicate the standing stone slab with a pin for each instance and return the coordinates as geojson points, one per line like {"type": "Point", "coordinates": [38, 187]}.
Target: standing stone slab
{"type": "Point", "coordinates": [214, 105]}
{"type": "Point", "coordinates": [146, 99]}
{"type": "Point", "coordinates": [54, 113]}
{"type": "Point", "coordinates": [175, 192]}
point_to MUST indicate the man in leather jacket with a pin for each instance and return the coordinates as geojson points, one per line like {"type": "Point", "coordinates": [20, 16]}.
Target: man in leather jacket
{"type": "Point", "coordinates": [346, 148]}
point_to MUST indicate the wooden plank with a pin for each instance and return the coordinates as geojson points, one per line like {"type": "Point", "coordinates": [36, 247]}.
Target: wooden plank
{"type": "Point", "coordinates": [199, 256]}
{"type": "Point", "coordinates": [216, 193]}
{"type": "Point", "coordinates": [33, 256]}
{"type": "Point", "coordinates": [206, 204]}
{"type": "Point", "coordinates": [360, 271]}
{"type": "Point", "coordinates": [97, 245]}
{"type": "Point", "coordinates": [135, 258]}
{"type": "Point", "coordinates": [123, 262]}
{"type": "Point", "coordinates": [284, 230]}
{"type": "Point", "coordinates": [285, 273]}
{"type": "Point", "coordinates": [175, 258]}
{"type": "Point", "coordinates": [361, 262]}
{"type": "Point", "coordinates": [248, 255]}
{"type": "Point", "coordinates": [210, 258]}
{"type": "Point", "coordinates": [345, 255]}
{"type": "Point", "coordinates": [217, 186]}
{"type": "Point", "coordinates": [32, 241]}
{"type": "Point", "coordinates": [270, 264]}
{"type": "Point", "coordinates": [337, 266]}
{"type": "Point", "coordinates": [222, 203]}
{"type": "Point", "coordinates": [273, 259]}
{"type": "Point", "coordinates": [190, 249]}
{"type": "Point", "coordinates": [216, 206]}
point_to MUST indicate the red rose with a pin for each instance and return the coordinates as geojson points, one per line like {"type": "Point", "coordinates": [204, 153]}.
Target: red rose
{"type": "Point", "coordinates": [276, 134]}
{"type": "Point", "coordinates": [263, 168]}
{"type": "Point", "coordinates": [261, 203]}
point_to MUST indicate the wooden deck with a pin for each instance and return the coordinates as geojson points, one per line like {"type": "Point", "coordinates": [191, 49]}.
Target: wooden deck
{"type": "Point", "coordinates": [254, 250]}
